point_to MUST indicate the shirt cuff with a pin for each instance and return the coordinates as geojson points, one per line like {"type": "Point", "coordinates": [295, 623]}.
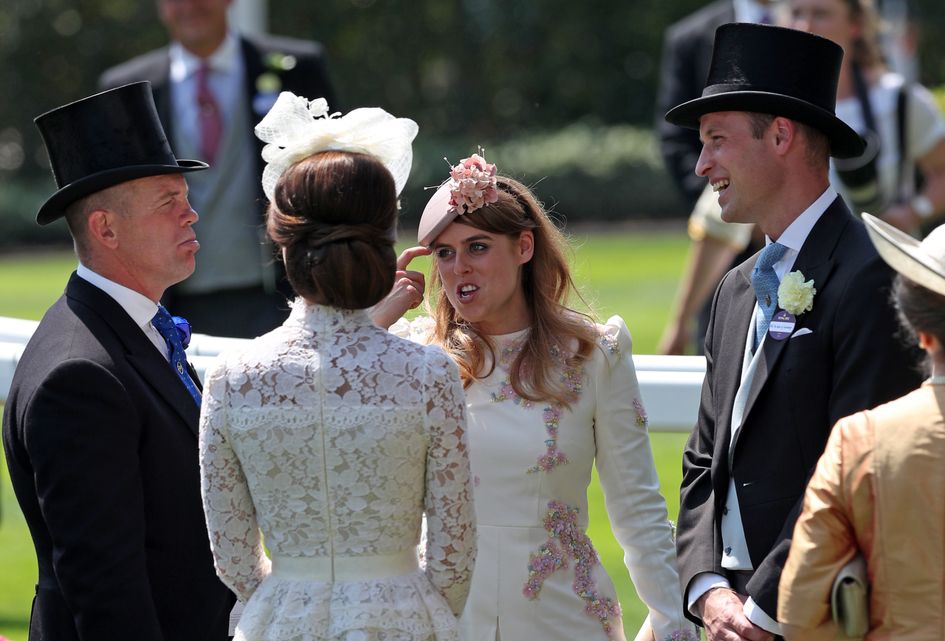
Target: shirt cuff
{"type": "Point", "coordinates": [760, 618]}
{"type": "Point", "coordinates": [700, 584]}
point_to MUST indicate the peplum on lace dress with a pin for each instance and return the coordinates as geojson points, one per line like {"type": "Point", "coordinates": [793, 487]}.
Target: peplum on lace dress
{"type": "Point", "coordinates": [537, 574]}
{"type": "Point", "coordinates": [333, 437]}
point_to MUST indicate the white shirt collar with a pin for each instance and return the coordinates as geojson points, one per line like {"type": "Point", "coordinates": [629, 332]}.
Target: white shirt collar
{"type": "Point", "coordinates": [797, 232]}
{"type": "Point", "coordinates": [141, 308]}
{"type": "Point", "coordinates": [751, 11]}
{"type": "Point", "coordinates": [184, 64]}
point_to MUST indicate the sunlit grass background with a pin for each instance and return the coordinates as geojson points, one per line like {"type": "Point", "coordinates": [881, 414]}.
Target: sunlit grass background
{"type": "Point", "coordinates": [630, 272]}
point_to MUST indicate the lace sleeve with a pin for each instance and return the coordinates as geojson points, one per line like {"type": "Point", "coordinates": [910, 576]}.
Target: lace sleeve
{"type": "Point", "coordinates": [238, 553]}
{"type": "Point", "coordinates": [418, 330]}
{"type": "Point", "coordinates": [631, 486]}
{"type": "Point", "coordinates": [451, 530]}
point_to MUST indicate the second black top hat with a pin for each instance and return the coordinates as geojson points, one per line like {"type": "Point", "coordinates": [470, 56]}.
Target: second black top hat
{"type": "Point", "coordinates": [105, 139]}
{"type": "Point", "coordinates": [774, 70]}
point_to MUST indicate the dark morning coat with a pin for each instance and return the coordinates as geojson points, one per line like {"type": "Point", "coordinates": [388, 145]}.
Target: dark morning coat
{"type": "Point", "coordinates": [308, 77]}
{"type": "Point", "coordinates": [101, 444]}
{"type": "Point", "coordinates": [850, 360]}
{"type": "Point", "coordinates": [687, 51]}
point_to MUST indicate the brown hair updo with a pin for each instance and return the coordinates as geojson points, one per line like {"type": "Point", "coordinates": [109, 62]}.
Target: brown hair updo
{"type": "Point", "coordinates": [334, 215]}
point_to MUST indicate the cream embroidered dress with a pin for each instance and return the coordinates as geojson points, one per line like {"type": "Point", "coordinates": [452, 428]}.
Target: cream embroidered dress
{"type": "Point", "coordinates": [333, 437]}
{"type": "Point", "coordinates": [537, 575]}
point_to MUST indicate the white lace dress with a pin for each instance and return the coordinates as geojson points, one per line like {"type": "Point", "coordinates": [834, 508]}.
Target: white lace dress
{"type": "Point", "coordinates": [333, 438]}
{"type": "Point", "coordinates": [537, 574]}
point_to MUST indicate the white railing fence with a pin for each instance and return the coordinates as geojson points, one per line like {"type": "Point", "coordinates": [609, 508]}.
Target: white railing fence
{"type": "Point", "coordinates": [670, 385]}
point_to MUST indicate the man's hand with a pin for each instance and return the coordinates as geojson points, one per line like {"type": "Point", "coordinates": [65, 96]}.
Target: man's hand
{"type": "Point", "coordinates": [407, 292]}
{"type": "Point", "coordinates": [675, 340]}
{"type": "Point", "coordinates": [723, 616]}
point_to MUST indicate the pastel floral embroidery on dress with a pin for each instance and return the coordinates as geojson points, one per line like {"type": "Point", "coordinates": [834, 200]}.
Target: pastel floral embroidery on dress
{"type": "Point", "coordinates": [610, 344]}
{"type": "Point", "coordinates": [642, 419]}
{"type": "Point", "coordinates": [541, 565]}
{"type": "Point", "coordinates": [506, 391]}
{"type": "Point", "coordinates": [572, 378]}
{"type": "Point", "coordinates": [682, 635]}
{"type": "Point", "coordinates": [553, 457]}
{"type": "Point", "coordinates": [567, 542]}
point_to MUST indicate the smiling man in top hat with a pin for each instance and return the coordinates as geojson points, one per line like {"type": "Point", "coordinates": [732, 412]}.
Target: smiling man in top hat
{"type": "Point", "coordinates": [800, 334]}
{"type": "Point", "coordinates": [100, 426]}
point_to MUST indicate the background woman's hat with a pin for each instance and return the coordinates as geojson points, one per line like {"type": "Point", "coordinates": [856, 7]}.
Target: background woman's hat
{"type": "Point", "coordinates": [103, 140]}
{"type": "Point", "coordinates": [774, 70]}
{"type": "Point", "coordinates": [921, 262]}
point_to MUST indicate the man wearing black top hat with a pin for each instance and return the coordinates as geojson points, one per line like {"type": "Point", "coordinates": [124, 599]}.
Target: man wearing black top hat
{"type": "Point", "coordinates": [800, 335]}
{"type": "Point", "coordinates": [100, 426]}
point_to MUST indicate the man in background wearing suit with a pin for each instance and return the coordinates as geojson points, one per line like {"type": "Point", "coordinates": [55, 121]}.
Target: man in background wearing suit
{"type": "Point", "coordinates": [100, 426]}
{"type": "Point", "coordinates": [212, 86]}
{"type": "Point", "coordinates": [687, 50]}
{"type": "Point", "coordinates": [799, 335]}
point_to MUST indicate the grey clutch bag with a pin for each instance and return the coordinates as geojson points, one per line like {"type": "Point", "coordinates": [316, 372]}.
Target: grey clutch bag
{"type": "Point", "coordinates": [848, 600]}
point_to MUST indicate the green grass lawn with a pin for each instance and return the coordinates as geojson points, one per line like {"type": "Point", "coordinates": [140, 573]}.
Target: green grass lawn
{"type": "Point", "coordinates": [625, 272]}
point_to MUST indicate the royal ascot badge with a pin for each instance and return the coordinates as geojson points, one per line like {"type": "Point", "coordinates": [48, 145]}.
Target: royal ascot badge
{"type": "Point", "coordinates": [782, 325]}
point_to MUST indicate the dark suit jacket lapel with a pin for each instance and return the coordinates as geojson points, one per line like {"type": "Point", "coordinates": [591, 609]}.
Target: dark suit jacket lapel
{"type": "Point", "coordinates": [161, 376]}
{"type": "Point", "coordinates": [253, 66]}
{"type": "Point", "coordinates": [815, 262]}
{"type": "Point", "coordinates": [139, 351]}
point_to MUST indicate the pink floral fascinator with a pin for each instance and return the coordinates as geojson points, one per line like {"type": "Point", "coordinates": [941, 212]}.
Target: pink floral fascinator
{"type": "Point", "coordinates": [472, 185]}
{"type": "Point", "coordinates": [295, 128]}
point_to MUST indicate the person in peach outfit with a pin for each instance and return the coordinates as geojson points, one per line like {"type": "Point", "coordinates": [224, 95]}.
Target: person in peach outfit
{"type": "Point", "coordinates": [879, 488]}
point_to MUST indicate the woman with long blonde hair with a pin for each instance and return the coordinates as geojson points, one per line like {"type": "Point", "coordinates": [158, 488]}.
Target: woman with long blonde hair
{"type": "Point", "coordinates": [549, 394]}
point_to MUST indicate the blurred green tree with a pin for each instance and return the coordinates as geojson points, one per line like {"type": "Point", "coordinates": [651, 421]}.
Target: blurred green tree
{"type": "Point", "coordinates": [469, 71]}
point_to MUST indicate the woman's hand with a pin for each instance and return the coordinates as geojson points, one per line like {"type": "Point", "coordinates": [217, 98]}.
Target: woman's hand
{"type": "Point", "coordinates": [407, 292]}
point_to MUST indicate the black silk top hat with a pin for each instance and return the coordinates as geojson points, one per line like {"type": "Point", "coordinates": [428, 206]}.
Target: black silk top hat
{"type": "Point", "coordinates": [103, 140]}
{"type": "Point", "coordinates": [778, 71]}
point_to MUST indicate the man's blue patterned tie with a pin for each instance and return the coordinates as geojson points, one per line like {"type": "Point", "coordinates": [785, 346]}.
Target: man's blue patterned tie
{"type": "Point", "coordinates": [164, 323]}
{"type": "Point", "coordinates": [765, 282]}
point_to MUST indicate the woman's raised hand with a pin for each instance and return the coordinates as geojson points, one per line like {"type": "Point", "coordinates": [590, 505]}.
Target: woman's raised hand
{"type": "Point", "coordinates": [407, 292]}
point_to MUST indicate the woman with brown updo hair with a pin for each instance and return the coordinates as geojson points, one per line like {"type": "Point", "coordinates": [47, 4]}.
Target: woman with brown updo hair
{"type": "Point", "coordinates": [329, 436]}
{"type": "Point", "coordinates": [337, 243]}
{"type": "Point", "coordinates": [549, 395]}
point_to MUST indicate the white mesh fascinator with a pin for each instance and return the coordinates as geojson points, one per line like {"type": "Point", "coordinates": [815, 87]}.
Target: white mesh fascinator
{"type": "Point", "coordinates": [296, 128]}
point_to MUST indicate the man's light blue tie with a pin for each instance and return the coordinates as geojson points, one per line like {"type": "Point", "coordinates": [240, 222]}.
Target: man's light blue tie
{"type": "Point", "coordinates": [164, 323]}
{"type": "Point", "coordinates": [765, 282]}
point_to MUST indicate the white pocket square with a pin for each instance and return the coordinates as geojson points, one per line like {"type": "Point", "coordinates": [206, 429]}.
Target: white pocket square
{"type": "Point", "coordinates": [802, 332]}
